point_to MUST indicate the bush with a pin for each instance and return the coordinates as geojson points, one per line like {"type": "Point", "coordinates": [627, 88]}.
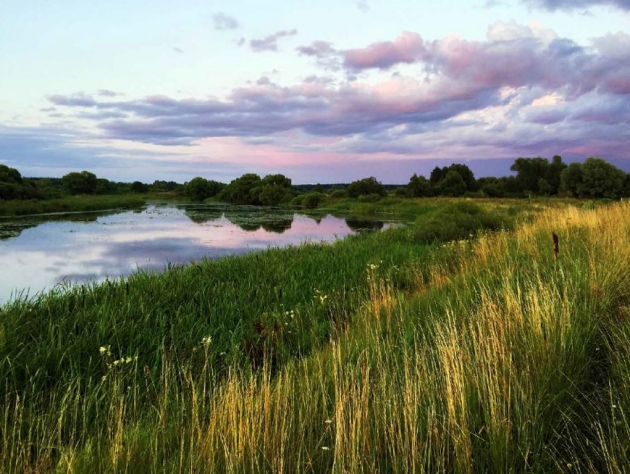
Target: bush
{"type": "Point", "coordinates": [312, 200]}
{"type": "Point", "coordinates": [370, 198]}
{"type": "Point", "coordinates": [338, 194]}
{"type": "Point", "coordinates": [366, 186]}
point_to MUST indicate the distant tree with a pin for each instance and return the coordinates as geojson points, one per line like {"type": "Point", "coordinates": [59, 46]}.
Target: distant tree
{"type": "Point", "coordinates": [626, 186]}
{"type": "Point", "coordinates": [199, 188]}
{"type": "Point", "coordinates": [452, 185]}
{"type": "Point", "coordinates": [572, 180]}
{"type": "Point", "coordinates": [105, 186]}
{"type": "Point", "coordinates": [529, 171]}
{"type": "Point", "coordinates": [80, 183]}
{"type": "Point", "coordinates": [511, 186]}
{"type": "Point", "coordinates": [601, 179]}
{"type": "Point", "coordinates": [10, 175]}
{"type": "Point", "coordinates": [139, 187]}
{"type": "Point", "coordinates": [366, 186]}
{"type": "Point", "coordinates": [544, 188]}
{"type": "Point", "coordinates": [243, 190]}
{"type": "Point", "coordinates": [437, 175]}
{"type": "Point", "coordinates": [318, 188]}
{"type": "Point", "coordinates": [492, 187]}
{"type": "Point", "coordinates": [419, 186]}
{"type": "Point", "coordinates": [164, 186]}
{"type": "Point", "coordinates": [467, 175]}
{"type": "Point", "coordinates": [402, 191]}
{"type": "Point", "coordinates": [554, 173]}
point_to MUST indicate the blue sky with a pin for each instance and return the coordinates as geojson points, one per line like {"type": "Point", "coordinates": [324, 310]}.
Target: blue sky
{"type": "Point", "coordinates": [322, 91]}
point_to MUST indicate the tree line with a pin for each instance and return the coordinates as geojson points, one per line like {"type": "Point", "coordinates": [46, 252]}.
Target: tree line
{"type": "Point", "coordinates": [594, 178]}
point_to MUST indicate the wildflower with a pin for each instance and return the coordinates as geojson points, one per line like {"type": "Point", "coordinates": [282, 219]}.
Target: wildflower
{"type": "Point", "coordinates": [128, 360]}
{"type": "Point", "coordinates": [328, 421]}
{"type": "Point", "coordinates": [103, 378]}
{"type": "Point", "coordinates": [325, 448]}
{"type": "Point", "coordinates": [105, 350]}
{"type": "Point", "coordinates": [206, 341]}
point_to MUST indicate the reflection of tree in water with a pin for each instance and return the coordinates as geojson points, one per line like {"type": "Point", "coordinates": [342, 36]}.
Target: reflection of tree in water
{"type": "Point", "coordinates": [201, 215]}
{"type": "Point", "coordinates": [252, 220]}
{"type": "Point", "coordinates": [278, 226]}
{"type": "Point", "coordinates": [13, 228]}
{"type": "Point", "coordinates": [364, 225]}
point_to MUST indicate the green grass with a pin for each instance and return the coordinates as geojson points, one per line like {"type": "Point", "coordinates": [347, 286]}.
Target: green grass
{"type": "Point", "coordinates": [449, 345]}
{"type": "Point", "coordinates": [70, 204]}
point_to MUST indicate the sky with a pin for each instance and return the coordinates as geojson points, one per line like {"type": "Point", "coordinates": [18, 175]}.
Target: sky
{"type": "Point", "coordinates": [321, 91]}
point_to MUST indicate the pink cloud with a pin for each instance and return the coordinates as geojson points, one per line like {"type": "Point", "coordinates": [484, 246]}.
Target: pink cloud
{"type": "Point", "coordinates": [407, 48]}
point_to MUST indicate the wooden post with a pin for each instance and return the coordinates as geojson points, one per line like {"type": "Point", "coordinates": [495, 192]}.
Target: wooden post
{"type": "Point", "coordinates": [556, 246]}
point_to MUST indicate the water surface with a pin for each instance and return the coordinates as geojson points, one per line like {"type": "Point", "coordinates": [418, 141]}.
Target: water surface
{"type": "Point", "coordinates": [38, 253]}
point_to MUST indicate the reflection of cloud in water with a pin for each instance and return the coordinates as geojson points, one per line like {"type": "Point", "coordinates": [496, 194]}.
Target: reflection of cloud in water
{"type": "Point", "coordinates": [119, 244]}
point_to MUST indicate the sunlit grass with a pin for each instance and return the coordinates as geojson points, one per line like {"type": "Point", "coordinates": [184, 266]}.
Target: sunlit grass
{"type": "Point", "coordinates": [379, 353]}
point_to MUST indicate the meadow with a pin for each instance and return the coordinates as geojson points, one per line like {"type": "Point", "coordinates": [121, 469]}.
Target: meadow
{"type": "Point", "coordinates": [457, 343]}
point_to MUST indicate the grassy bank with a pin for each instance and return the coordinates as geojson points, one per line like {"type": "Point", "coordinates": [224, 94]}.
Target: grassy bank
{"type": "Point", "coordinates": [430, 348]}
{"type": "Point", "coordinates": [70, 204]}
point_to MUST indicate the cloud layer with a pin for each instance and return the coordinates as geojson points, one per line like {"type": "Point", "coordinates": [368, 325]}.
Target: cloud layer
{"type": "Point", "coordinates": [521, 91]}
{"type": "Point", "coordinates": [577, 4]}
{"type": "Point", "coordinates": [270, 43]}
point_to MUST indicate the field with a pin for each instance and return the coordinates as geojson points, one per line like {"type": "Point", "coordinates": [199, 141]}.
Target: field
{"type": "Point", "coordinates": [458, 343]}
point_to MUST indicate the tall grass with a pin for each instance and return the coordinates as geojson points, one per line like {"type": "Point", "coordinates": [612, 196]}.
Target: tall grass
{"type": "Point", "coordinates": [474, 355]}
{"type": "Point", "coordinates": [69, 204]}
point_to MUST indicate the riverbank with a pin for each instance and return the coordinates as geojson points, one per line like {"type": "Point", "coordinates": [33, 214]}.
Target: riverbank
{"type": "Point", "coordinates": [445, 346]}
{"type": "Point", "coordinates": [70, 204]}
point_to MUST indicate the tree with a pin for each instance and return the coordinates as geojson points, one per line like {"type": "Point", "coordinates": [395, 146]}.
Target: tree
{"type": "Point", "coordinates": [452, 185]}
{"type": "Point", "coordinates": [466, 174]}
{"type": "Point", "coordinates": [554, 172]}
{"type": "Point", "coordinates": [200, 188]}
{"type": "Point", "coordinates": [419, 186]}
{"type": "Point", "coordinates": [104, 186]}
{"type": "Point", "coordinates": [601, 179]}
{"type": "Point", "coordinates": [571, 179]}
{"type": "Point", "coordinates": [529, 171]}
{"type": "Point", "coordinates": [492, 187]}
{"type": "Point", "coordinates": [544, 188]}
{"type": "Point", "coordinates": [80, 183]}
{"type": "Point", "coordinates": [139, 187]}
{"type": "Point", "coordinates": [243, 190]}
{"type": "Point", "coordinates": [366, 186]}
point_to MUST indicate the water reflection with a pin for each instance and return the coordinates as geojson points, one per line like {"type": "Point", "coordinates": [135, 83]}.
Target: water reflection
{"type": "Point", "coordinates": [364, 225]}
{"type": "Point", "coordinates": [93, 247]}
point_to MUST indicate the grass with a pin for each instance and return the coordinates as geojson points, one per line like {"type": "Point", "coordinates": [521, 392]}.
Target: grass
{"type": "Point", "coordinates": [69, 204]}
{"type": "Point", "coordinates": [438, 347]}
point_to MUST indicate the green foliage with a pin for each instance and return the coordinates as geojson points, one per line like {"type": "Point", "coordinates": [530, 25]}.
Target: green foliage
{"type": "Point", "coordinates": [544, 188]}
{"type": "Point", "coordinates": [139, 187]}
{"type": "Point", "coordinates": [452, 185]}
{"type": "Point", "coordinates": [419, 186]}
{"type": "Point", "coordinates": [594, 178]}
{"type": "Point", "coordinates": [401, 191]}
{"type": "Point", "coordinates": [439, 174]}
{"type": "Point", "coordinates": [338, 194]}
{"type": "Point", "coordinates": [312, 200]}
{"type": "Point", "coordinates": [250, 189]}
{"type": "Point", "coordinates": [13, 186]}
{"type": "Point", "coordinates": [70, 204]}
{"type": "Point", "coordinates": [492, 187]}
{"type": "Point", "coordinates": [80, 183]}
{"type": "Point", "coordinates": [459, 221]}
{"type": "Point", "coordinates": [366, 186]}
{"type": "Point", "coordinates": [370, 198]}
{"type": "Point", "coordinates": [600, 179]}
{"type": "Point", "coordinates": [534, 172]}
{"type": "Point", "coordinates": [199, 189]}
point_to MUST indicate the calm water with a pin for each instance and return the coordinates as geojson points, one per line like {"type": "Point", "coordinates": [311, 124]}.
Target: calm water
{"type": "Point", "coordinates": [36, 255]}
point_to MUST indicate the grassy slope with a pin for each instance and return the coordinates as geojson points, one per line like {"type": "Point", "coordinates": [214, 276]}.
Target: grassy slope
{"type": "Point", "coordinates": [475, 356]}
{"type": "Point", "coordinates": [70, 204]}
